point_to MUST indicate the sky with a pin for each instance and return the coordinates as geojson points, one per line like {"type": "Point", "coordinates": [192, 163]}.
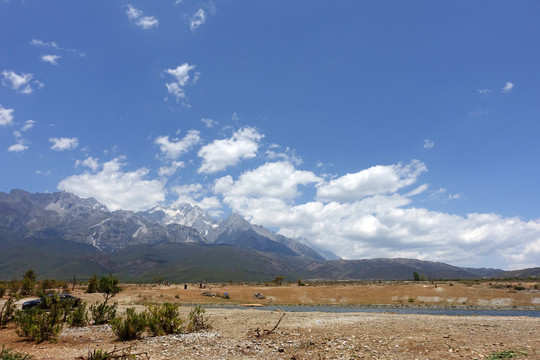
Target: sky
{"type": "Point", "coordinates": [368, 128]}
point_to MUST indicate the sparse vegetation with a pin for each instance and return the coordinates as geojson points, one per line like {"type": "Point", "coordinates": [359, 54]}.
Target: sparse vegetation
{"type": "Point", "coordinates": [164, 319]}
{"type": "Point", "coordinates": [278, 279]}
{"type": "Point", "coordinates": [10, 354]}
{"type": "Point", "coordinates": [38, 324]}
{"type": "Point", "coordinates": [132, 326]}
{"type": "Point", "coordinates": [79, 316]}
{"type": "Point", "coordinates": [8, 310]}
{"type": "Point", "coordinates": [197, 321]}
{"type": "Point", "coordinates": [509, 354]}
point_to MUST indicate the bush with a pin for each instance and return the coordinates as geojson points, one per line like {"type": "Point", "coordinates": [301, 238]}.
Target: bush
{"type": "Point", "coordinates": [9, 354]}
{"type": "Point", "coordinates": [131, 327]}
{"type": "Point", "coordinates": [197, 321]}
{"type": "Point", "coordinates": [92, 284]}
{"type": "Point", "coordinates": [103, 313]}
{"type": "Point", "coordinates": [164, 319]}
{"type": "Point", "coordinates": [38, 324]}
{"type": "Point", "coordinates": [79, 316]}
{"type": "Point", "coordinates": [8, 310]}
{"type": "Point", "coordinates": [3, 289]}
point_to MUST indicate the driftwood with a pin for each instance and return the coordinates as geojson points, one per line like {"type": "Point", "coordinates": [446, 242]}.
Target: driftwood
{"type": "Point", "coordinates": [118, 354]}
{"type": "Point", "coordinates": [268, 332]}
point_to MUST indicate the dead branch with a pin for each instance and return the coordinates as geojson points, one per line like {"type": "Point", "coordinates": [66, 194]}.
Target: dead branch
{"type": "Point", "coordinates": [118, 354]}
{"type": "Point", "coordinates": [268, 332]}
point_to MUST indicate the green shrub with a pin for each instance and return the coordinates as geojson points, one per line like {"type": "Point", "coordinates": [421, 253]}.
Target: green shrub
{"type": "Point", "coordinates": [8, 310]}
{"type": "Point", "coordinates": [9, 354]}
{"type": "Point", "coordinates": [131, 327]}
{"type": "Point", "coordinates": [103, 313]}
{"type": "Point", "coordinates": [164, 319]}
{"type": "Point", "coordinates": [92, 284]}
{"type": "Point", "coordinates": [79, 316]}
{"type": "Point", "coordinates": [3, 289]}
{"type": "Point", "coordinates": [197, 321]}
{"type": "Point", "coordinates": [38, 324]}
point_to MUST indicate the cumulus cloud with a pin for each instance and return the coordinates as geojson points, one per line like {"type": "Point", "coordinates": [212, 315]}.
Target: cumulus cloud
{"type": "Point", "coordinates": [6, 116]}
{"type": "Point", "coordinates": [89, 162]}
{"type": "Point", "coordinates": [50, 59]}
{"type": "Point", "coordinates": [181, 76]}
{"type": "Point", "coordinates": [21, 144]}
{"type": "Point", "coordinates": [176, 147]}
{"type": "Point", "coordinates": [428, 144]}
{"type": "Point", "coordinates": [136, 16]}
{"type": "Point", "coordinates": [18, 147]}
{"type": "Point", "coordinates": [195, 194]}
{"type": "Point", "coordinates": [507, 87]}
{"type": "Point", "coordinates": [375, 180]}
{"type": "Point", "coordinates": [20, 83]}
{"type": "Point", "coordinates": [167, 171]}
{"type": "Point", "coordinates": [380, 222]}
{"type": "Point", "coordinates": [115, 188]}
{"type": "Point", "coordinates": [61, 144]}
{"type": "Point", "coordinates": [220, 154]}
{"type": "Point", "coordinates": [277, 179]}
{"type": "Point", "coordinates": [197, 19]}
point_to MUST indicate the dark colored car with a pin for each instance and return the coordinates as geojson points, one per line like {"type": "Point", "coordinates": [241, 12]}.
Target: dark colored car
{"type": "Point", "coordinates": [61, 297]}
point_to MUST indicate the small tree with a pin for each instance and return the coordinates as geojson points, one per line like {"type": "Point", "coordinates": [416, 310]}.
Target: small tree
{"type": "Point", "coordinates": [108, 287]}
{"type": "Point", "coordinates": [101, 312]}
{"type": "Point", "coordinates": [92, 284]}
{"type": "Point", "coordinates": [28, 282]}
{"type": "Point", "coordinates": [278, 279]}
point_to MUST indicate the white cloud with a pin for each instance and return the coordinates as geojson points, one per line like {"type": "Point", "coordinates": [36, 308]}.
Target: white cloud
{"type": "Point", "coordinates": [89, 162]}
{"type": "Point", "coordinates": [221, 154]}
{"type": "Point", "coordinates": [375, 180]}
{"type": "Point", "coordinates": [484, 91]}
{"type": "Point", "coordinates": [181, 75]}
{"type": "Point", "coordinates": [278, 179]}
{"type": "Point", "coordinates": [61, 144]}
{"type": "Point", "coordinates": [6, 116]}
{"type": "Point", "coordinates": [54, 45]}
{"type": "Point", "coordinates": [507, 87]}
{"type": "Point", "coordinates": [194, 194]}
{"type": "Point", "coordinates": [176, 147]}
{"type": "Point", "coordinates": [115, 188]}
{"type": "Point", "coordinates": [209, 123]}
{"type": "Point", "coordinates": [28, 124]}
{"type": "Point", "coordinates": [383, 224]}
{"type": "Point", "coordinates": [17, 147]}
{"type": "Point", "coordinates": [197, 19]}
{"type": "Point", "coordinates": [20, 83]}
{"type": "Point", "coordinates": [136, 15]}
{"type": "Point", "coordinates": [168, 171]}
{"type": "Point", "coordinates": [50, 59]}
{"type": "Point", "coordinates": [428, 144]}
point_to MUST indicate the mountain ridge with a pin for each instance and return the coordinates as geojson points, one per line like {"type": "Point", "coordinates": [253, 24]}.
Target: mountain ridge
{"type": "Point", "coordinates": [61, 235]}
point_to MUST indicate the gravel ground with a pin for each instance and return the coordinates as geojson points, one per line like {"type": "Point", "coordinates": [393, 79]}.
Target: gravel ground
{"type": "Point", "coordinates": [313, 335]}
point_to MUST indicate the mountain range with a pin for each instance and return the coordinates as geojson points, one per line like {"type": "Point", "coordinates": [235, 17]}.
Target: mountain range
{"type": "Point", "coordinates": [60, 235]}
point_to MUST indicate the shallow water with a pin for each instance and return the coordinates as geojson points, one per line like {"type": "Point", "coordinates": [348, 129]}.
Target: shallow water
{"type": "Point", "coordinates": [396, 310]}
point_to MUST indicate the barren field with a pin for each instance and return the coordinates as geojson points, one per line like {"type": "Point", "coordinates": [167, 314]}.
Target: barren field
{"type": "Point", "coordinates": [315, 335]}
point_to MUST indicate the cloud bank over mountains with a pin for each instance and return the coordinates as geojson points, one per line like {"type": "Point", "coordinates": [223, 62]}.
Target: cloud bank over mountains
{"type": "Point", "coordinates": [366, 214]}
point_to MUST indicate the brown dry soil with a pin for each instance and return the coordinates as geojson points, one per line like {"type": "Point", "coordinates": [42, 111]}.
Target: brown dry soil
{"type": "Point", "coordinates": [314, 335]}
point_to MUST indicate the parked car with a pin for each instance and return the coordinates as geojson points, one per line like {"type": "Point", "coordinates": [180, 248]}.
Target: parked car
{"type": "Point", "coordinates": [61, 297]}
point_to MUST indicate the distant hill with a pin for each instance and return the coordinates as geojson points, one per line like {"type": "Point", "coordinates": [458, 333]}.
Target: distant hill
{"type": "Point", "coordinates": [60, 236]}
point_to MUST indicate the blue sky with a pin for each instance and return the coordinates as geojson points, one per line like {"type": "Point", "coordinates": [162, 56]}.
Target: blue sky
{"type": "Point", "coordinates": [369, 128]}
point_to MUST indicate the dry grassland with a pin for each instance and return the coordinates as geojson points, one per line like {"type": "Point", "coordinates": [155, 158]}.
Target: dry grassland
{"type": "Point", "coordinates": [316, 335]}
